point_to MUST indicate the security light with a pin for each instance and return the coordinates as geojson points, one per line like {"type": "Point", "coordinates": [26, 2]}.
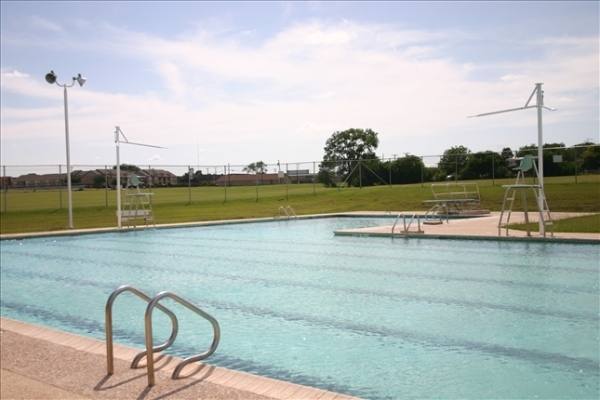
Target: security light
{"type": "Point", "coordinates": [51, 77]}
{"type": "Point", "coordinates": [80, 79]}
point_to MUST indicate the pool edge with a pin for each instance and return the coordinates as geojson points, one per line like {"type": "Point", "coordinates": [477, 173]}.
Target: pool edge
{"type": "Point", "coordinates": [237, 380]}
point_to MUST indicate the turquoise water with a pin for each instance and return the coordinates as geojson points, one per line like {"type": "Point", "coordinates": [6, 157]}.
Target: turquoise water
{"type": "Point", "coordinates": [371, 317]}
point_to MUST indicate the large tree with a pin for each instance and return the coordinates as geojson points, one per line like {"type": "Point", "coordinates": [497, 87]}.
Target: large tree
{"type": "Point", "coordinates": [258, 167]}
{"type": "Point", "coordinates": [454, 160]}
{"type": "Point", "coordinates": [344, 147]}
{"type": "Point", "coordinates": [479, 166]}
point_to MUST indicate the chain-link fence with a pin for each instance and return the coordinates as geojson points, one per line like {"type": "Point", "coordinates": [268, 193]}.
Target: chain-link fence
{"type": "Point", "coordinates": [43, 187]}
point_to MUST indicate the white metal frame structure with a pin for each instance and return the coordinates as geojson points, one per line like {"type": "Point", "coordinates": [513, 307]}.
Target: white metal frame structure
{"type": "Point", "coordinates": [118, 135]}
{"type": "Point", "coordinates": [541, 197]}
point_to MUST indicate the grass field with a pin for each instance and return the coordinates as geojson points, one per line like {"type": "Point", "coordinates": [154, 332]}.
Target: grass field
{"type": "Point", "coordinates": [586, 224]}
{"type": "Point", "coordinates": [28, 211]}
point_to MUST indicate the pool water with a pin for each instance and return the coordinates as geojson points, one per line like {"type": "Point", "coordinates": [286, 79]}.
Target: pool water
{"type": "Point", "coordinates": [371, 317]}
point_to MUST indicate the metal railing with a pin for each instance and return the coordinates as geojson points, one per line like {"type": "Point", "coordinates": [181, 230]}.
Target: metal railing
{"type": "Point", "coordinates": [148, 332]}
{"type": "Point", "coordinates": [405, 226]}
{"type": "Point", "coordinates": [109, 327]}
{"type": "Point", "coordinates": [287, 211]}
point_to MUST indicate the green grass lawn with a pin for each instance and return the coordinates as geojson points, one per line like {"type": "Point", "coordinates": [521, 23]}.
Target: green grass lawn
{"type": "Point", "coordinates": [41, 210]}
{"type": "Point", "coordinates": [585, 224]}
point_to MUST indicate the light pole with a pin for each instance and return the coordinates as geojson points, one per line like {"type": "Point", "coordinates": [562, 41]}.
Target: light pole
{"type": "Point", "coordinates": [51, 79]}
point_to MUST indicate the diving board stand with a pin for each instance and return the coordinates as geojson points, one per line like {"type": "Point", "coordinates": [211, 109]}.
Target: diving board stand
{"type": "Point", "coordinates": [456, 198]}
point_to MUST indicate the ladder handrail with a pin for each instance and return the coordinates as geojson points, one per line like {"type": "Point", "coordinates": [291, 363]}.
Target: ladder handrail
{"type": "Point", "coordinates": [395, 222]}
{"type": "Point", "coordinates": [148, 331]}
{"type": "Point", "coordinates": [109, 327]}
{"type": "Point", "coordinates": [406, 227]}
{"type": "Point", "coordinates": [288, 211]}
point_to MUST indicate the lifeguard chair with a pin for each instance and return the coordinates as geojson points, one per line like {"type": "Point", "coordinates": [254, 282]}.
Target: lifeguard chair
{"type": "Point", "coordinates": [526, 164]}
{"type": "Point", "coordinates": [138, 203]}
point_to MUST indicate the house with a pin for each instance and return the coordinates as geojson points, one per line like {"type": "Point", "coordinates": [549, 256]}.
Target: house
{"type": "Point", "coordinates": [36, 180]}
{"type": "Point", "coordinates": [160, 177]}
{"type": "Point", "coordinates": [247, 179]}
{"type": "Point", "coordinates": [92, 178]}
{"type": "Point", "coordinates": [300, 176]}
{"type": "Point", "coordinates": [6, 181]}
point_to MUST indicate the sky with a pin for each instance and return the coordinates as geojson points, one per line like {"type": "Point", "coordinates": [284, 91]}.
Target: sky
{"type": "Point", "coordinates": [229, 82]}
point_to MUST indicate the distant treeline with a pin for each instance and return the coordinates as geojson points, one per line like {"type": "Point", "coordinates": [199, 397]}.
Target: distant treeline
{"type": "Point", "coordinates": [458, 162]}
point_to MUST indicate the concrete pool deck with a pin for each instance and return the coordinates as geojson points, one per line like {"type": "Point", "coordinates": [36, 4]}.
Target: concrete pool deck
{"type": "Point", "coordinates": [478, 228]}
{"type": "Point", "coordinates": [42, 363]}
{"type": "Point", "coordinates": [482, 227]}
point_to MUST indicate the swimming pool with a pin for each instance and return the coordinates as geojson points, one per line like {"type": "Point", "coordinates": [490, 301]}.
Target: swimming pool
{"type": "Point", "coordinates": [372, 317]}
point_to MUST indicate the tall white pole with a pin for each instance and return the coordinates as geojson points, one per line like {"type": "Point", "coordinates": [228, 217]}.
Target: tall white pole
{"type": "Point", "coordinates": [69, 191]}
{"type": "Point", "coordinates": [541, 192]}
{"type": "Point", "coordinates": [118, 179]}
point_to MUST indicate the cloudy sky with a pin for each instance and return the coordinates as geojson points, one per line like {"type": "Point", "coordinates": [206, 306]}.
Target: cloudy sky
{"type": "Point", "coordinates": [240, 82]}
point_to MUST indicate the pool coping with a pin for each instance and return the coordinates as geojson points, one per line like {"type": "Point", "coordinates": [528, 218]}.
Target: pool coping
{"type": "Point", "coordinates": [238, 380]}
{"type": "Point", "coordinates": [349, 214]}
{"type": "Point", "coordinates": [356, 233]}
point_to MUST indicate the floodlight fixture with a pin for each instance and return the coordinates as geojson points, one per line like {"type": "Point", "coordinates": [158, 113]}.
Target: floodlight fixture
{"type": "Point", "coordinates": [51, 78]}
{"type": "Point", "coordinates": [80, 79]}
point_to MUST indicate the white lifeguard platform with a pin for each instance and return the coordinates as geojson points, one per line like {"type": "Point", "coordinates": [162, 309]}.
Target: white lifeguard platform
{"type": "Point", "coordinates": [138, 203]}
{"type": "Point", "coordinates": [519, 190]}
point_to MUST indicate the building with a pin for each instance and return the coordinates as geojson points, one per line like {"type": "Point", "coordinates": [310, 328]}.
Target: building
{"type": "Point", "coordinates": [160, 177]}
{"type": "Point", "coordinates": [39, 181]}
{"type": "Point", "coordinates": [300, 176]}
{"type": "Point", "coordinates": [247, 179]}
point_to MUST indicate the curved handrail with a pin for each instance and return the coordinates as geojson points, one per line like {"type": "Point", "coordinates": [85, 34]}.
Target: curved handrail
{"type": "Point", "coordinates": [109, 327]}
{"type": "Point", "coordinates": [148, 329]}
{"type": "Point", "coordinates": [395, 222]}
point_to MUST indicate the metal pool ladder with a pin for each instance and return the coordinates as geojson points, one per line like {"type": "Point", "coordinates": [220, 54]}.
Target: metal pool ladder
{"type": "Point", "coordinates": [406, 227]}
{"type": "Point", "coordinates": [150, 350]}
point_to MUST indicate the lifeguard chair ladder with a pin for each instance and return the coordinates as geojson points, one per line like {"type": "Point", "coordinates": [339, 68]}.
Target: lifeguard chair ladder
{"type": "Point", "coordinates": [138, 203]}
{"type": "Point", "coordinates": [526, 164]}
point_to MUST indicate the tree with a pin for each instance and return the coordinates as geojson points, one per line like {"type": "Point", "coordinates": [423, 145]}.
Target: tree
{"type": "Point", "coordinates": [258, 167]}
{"type": "Point", "coordinates": [129, 167]}
{"type": "Point", "coordinates": [454, 160]}
{"type": "Point", "coordinates": [407, 169]}
{"type": "Point", "coordinates": [591, 158]}
{"type": "Point", "coordinates": [507, 153]}
{"type": "Point", "coordinates": [343, 148]}
{"type": "Point", "coordinates": [479, 166]}
{"type": "Point", "coordinates": [99, 181]}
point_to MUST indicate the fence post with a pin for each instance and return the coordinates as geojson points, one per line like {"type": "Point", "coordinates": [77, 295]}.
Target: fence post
{"type": "Point", "coordinates": [256, 187]}
{"type": "Point", "coordinates": [493, 172]}
{"type": "Point", "coordinates": [106, 186]}
{"type": "Point", "coordinates": [226, 169]}
{"type": "Point", "coordinates": [456, 168]}
{"type": "Point", "coordinates": [390, 172]}
{"type": "Point", "coordinates": [60, 186]}
{"type": "Point", "coordinates": [5, 182]}
{"type": "Point", "coordinates": [360, 174]}
{"type": "Point", "coordinates": [422, 171]}
{"type": "Point", "coordinates": [314, 178]}
{"type": "Point", "coordinates": [287, 182]}
{"type": "Point", "coordinates": [189, 185]}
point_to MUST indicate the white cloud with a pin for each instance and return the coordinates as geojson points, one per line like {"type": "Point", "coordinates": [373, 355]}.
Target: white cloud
{"type": "Point", "coordinates": [38, 22]}
{"type": "Point", "coordinates": [284, 97]}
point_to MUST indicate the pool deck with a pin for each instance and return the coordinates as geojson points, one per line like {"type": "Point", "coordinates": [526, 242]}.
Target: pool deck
{"type": "Point", "coordinates": [42, 363]}
{"type": "Point", "coordinates": [477, 228]}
